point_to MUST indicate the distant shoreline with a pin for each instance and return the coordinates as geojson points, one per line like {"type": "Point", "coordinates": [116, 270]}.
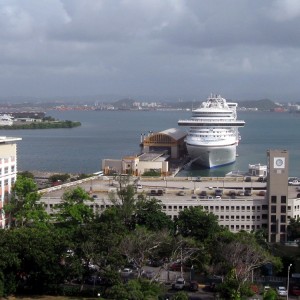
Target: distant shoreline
{"type": "Point", "coordinates": [42, 125]}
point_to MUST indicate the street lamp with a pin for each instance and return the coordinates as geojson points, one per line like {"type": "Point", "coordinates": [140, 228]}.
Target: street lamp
{"type": "Point", "coordinates": [288, 282]}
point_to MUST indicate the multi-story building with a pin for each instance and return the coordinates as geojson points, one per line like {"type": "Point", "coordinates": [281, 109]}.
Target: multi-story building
{"type": "Point", "coordinates": [8, 171]}
{"type": "Point", "coordinates": [267, 206]}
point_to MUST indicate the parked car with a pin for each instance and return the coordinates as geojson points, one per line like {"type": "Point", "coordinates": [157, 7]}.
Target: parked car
{"type": "Point", "coordinates": [194, 286]}
{"type": "Point", "coordinates": [203, 193]}
{"type": "Point", "coordinates": [232, 193]}
{"type": "Point", "coordinates": [295, 290]}
{"type": "Point", "coordinates": [181, 193]}
{"type": "Point", "coordinates": [261, 179]}
{"type": "Point", "coordinates": [281, 291]}
{"type": "Point", "coordinates": [248, 193]}
{"type": "Point", "coordinates": [139, 186]}
{"type": "Point", "coordinates": [153, 192]}
{"type": "Point", "coordinates": [126, 272]}
{"type": "Point", "coordinates": [148, 274]}
{"type": "Point", "coordinates": [218, 192]}
{"type": "Point", "coordinates": [160, 192]}
{"type": "Point", "coordinates": [241, 193]}
{"type": "Point", "coordinates": [248, 179]}
{"type": "Point", "coordinates": [261, 193]}
{"type": "Point", "coordinates": [179, 284]}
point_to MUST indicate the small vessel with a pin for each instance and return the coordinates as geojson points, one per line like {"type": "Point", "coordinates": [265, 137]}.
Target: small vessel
{"type": "Point", "coordinates": [6, 120]}
{"type": "Point", "coordinates": [213, 132]}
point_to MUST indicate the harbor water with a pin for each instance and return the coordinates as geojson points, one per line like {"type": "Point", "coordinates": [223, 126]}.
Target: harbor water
{"type": "Point", "coordinates": [114, 134]}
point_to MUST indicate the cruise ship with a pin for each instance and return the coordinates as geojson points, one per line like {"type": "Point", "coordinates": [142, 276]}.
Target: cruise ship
{"type": "Point", "coordinates": [213, 133]}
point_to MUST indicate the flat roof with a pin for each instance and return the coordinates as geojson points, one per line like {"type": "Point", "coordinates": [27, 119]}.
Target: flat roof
{"type": "Point", "coordinates": [152, 156]}
{"type": "Point", "coordinates": [6, 139]}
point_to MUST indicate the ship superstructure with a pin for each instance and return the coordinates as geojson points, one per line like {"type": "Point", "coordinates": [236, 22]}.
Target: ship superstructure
{"type": "Point", "coordinates": [213, 132]}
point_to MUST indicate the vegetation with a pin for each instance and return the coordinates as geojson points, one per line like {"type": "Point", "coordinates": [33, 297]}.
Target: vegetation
{"type": "Point", "coordinates": [152, 173]}
{"type": "Point", "coordinates": [59, 253]}
{"type": "Point", "coordinates": [43, 125]}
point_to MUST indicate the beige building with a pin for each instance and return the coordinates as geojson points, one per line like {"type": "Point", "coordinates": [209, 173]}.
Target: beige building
{"type": "Point", "coordinates": [8, 171]}
{"type": "Point", "coordinates": [138, 165]}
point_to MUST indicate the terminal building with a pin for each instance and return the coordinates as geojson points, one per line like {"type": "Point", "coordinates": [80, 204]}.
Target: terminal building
{"type": "Point", "coordinates": [269, 205]}
{"type": "Point", "coordinates": [158, 150]}
{"type": "Point", "coordinates": [8, 172]}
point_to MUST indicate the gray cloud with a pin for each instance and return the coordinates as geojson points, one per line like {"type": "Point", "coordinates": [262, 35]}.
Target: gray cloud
{"type": "Point", "coordinates": [181, 48]}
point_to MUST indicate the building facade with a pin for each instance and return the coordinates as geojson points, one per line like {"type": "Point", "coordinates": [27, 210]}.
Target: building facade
{"type": "Point", "coordinates": [277, 195]}
{"type": "Point", "coordinates": [8, 172]}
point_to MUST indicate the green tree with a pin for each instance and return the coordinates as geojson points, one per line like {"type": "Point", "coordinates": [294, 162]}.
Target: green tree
{"type": "Point", "coordinates": [241, 256]}
{"type": "Point", "coordinates": [294, 229]}
{"type": "Point", "coordinates": [59, 177]}
{"type": "Point", "coordinates": [149, 214]}
{"type": "Point", "coordinates": [25, 206]}
{"type": "Point", "coordinates": [26, 174]}
{"type": "Point", "coordinates": [73, 208]}
{"type": "Point", "coordinates": [194, 222]}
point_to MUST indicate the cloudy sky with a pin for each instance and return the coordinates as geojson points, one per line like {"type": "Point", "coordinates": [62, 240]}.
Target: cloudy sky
{"type": "Point", "coordinates": [241, 49]}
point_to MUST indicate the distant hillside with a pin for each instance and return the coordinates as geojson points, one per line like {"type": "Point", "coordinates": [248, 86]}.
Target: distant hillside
{"type": "Point", "coordinates": [264, 104]}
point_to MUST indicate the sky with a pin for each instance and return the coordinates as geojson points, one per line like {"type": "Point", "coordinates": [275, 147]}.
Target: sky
{"type": "Point", "coordinates": [178, 49]}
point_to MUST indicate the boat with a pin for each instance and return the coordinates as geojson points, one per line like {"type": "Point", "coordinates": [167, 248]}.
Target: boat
{"type": "Point", "coordinates": [213, 133]}
{"type": "Point", "coordinates": [6, 120]}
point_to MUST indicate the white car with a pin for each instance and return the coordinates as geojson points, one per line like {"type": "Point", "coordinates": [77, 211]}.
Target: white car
{"type": "Point", "coordinates": [281, 291]}
{"type": "Point", "coordinates": [179, 284]}
{"type": "Point", "coordinates": [139, 186]}
{"type": "Point", "coordinates": [126, 272]}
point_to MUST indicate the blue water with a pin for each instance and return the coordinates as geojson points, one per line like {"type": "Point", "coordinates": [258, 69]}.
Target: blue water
{"type": "Point", "coordinates": [113, 134]}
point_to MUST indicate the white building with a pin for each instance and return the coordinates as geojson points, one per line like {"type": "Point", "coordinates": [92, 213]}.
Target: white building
{"type": "Point", "coordinates": [8, 171]}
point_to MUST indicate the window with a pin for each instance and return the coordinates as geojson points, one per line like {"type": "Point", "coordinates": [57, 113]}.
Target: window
{"type": "Point", "coordinates": [283, 209]}
{"type": "Point", "coordinates": [273, 218]}
{"type": "Point", "coordinates": [282, 228]}
{"type": "Point", "coordinates": [264, 207]}
{"type": "Point", "coordinates": [283, 218]}
{"type": "Point", "coordinates": [283, 199]}
{"type": "Point", "coordinates": [12, 169]}
{"type": "Point", "coordinates": [273, 199]}
{"type": "Point", "coordinates": [5, 170]}
{"type": "Point", "coordinates": [273, 209]}
{"type": "Point", "coordinates": [232, 217]}
{"type": "Point", "coordinates": [273, 228]}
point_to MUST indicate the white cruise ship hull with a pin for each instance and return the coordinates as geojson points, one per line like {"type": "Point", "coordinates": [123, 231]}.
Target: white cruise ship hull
{"type": "Point", "coordinates": [212, 156]}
